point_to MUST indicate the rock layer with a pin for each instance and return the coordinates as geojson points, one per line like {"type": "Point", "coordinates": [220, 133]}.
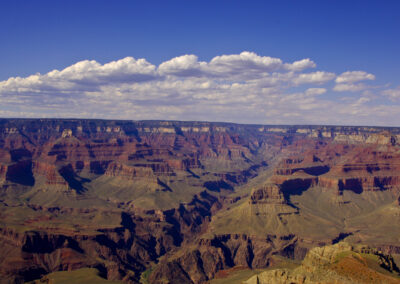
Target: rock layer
{"type": "Point", "coordinates": [335, 264]}
{"type": "Point", "coordinates": [127, 196]}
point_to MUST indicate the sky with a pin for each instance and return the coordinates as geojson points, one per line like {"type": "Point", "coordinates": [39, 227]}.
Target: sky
{"type": "Point", "coordinates": [328, 62]}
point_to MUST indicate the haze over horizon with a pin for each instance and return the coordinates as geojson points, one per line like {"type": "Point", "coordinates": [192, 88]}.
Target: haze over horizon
{"type": "Point", "coordinates": [275, 62]}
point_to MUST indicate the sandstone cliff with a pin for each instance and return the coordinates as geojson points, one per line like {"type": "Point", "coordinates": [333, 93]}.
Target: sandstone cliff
{"type": "Point", "coordinates": [339, 263]}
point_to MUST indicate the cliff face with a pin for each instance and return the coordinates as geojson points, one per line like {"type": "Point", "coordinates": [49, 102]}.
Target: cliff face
{"type": "Point", "coordinates": [142, 237]}
{"type": "Point", "coordinates": [129, 172]}
{"type": "Point", "coordinates": [125, 196]}
{"type": "Point", "coordinates": [206, 257]}
{"type": "Point", "coordinates": [360, 167]}
{"type": "Point", "coordinates": [269, 193]}
{"type": "Point", "coordinates": [339, 263]}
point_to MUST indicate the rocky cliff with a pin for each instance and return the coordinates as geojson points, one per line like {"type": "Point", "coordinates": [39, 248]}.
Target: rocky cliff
{"type": "Point", "coordinates": [339, 263]}
{"type": "Point", "coordinates": [184, 200]}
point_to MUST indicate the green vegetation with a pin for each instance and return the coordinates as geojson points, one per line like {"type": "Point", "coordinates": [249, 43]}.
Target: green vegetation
{"type": "Point", "coordinates": [145, 276]}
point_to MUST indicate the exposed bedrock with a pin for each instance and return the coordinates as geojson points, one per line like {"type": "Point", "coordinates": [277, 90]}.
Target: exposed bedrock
{"type": "Point", "coordinates": [121, 253]}
{"type": "Point", "coordinates": [129, 172]}
{"type": "Point", "coordinates": [49, 172]}
{"type": "Point", "coordinates": [206, 257]}
{"type": "Point", "coordinates": [202, 167]}
{"type": "Point", "coordinates": [268, 194]}
{"type": "Point", "coordinates": [339, 263]}
{"type": "Point", "coordinates": [312, 170]}
{"type": "Point", "coordinates": [360, 184]}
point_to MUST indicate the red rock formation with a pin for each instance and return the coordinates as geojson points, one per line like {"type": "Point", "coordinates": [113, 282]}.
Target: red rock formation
{"type": "Point", "coordinates": [183, 164]}
{"type": "Point", "coordinates": [365, 168]}
{"type": "Point", "coordinates": [70, 153]}
{"type": "Point", "coordinates": [129, 172]}
{"type": "Point", "coordinates": [50, 173]}
{"type": "Point", "coordinates": [268, 194]}
{"type": "Point", "coordinates": [359, 184]}
{"type": "Point", "coordinates": [158, 167]}
{"type": "Point", "coordinates": [206, 257]}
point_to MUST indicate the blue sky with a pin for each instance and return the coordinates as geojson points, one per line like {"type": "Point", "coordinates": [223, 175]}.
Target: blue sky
{"type": "Point", "coordinates": [242, 84]}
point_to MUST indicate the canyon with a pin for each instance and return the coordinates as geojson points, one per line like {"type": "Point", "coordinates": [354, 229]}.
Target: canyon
{"type": "Point", "coordinates": [182, 202]}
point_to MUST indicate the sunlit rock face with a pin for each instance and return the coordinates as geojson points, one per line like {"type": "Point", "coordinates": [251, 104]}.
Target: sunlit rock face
{"type": "Point", "coordinates": [188, 198]}
{"type": "Point", "coordinates": [339, 263]}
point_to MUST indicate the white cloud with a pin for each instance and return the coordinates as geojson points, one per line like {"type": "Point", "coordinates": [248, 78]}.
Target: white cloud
{"type": "Point", "coordinates": [246, 65]}
{"type": "Point", "coordinates": [185, 65]}
{"type": "Point", "coordinates": [318, 77]}
{"type": "Point", "coordinates": [350, 87]}
{"type": "Point", "coordinates": [91, 72]}
{"type": "Point", "coordinates": [315, 91]}
{"type": "Point", "coordinates": [392, 94]}
{"type": "Point", "coordinates": [301, 65]}
{"type": "Point", "coordinates": [354, 76]}
{"type": "Point", "coordinates": [244, 61]}
{"type": "Point", "coordinates": [83, 76]}
{"type": "Point", "coordinates": [243, 87]}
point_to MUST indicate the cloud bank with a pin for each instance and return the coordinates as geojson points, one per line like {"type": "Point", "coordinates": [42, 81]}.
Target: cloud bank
{"type": "Point", "coordinates": [243, 88]}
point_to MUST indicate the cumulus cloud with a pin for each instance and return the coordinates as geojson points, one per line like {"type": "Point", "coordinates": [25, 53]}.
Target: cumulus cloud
{"type": "Point", "coordinates": [244, 87]}
{"type": "Point", "coordinates": [124, 70]}
{"type": "Point", "coordinates": [318, 77]}
{"type": "Point", "coordinates": [83, 76]}
{"type": "Point", "coordinates": [301, 65]}
{"type": "Point", "coordinates": [247, 65]}
{"type": "Point", "coordinates": [349, 87]}
{"type": "Point", "coordinates": [354, 76]}
{"type": "Point", "coordinates": [349, 81]}
{"type": "Point", "coordinates": [315, 91]}
{"type": "Point", "coordinates": [185, 65]}
{"type": "Point", "coordinates": [245, 61]}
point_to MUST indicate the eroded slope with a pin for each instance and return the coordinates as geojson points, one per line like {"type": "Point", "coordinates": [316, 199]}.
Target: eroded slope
{"type": "Point", "coordinates": [184, 200]}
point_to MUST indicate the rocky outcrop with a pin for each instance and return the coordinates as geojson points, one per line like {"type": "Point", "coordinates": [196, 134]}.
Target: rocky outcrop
{"type": "Point", "coordinates": [159, 168]}
{"type": "Point", "coordinates": [201, 263]}
{"type": "Point", "coordinates": [52, 171]}
{"type": "Point", "coordinates": [130, 172]}
{"type": "Point", "coordinates": [270, 200]}
{"type": "Point", "coordinates": [366, 168]}
{"type": "Point", "coordinates": [183, 164]}
{"type": "Point", "coordinates": [120, 253]}
{"type": "Point", "coordinates": [339, 263]}
{"type": "Point", "coordinates": [360, 184]}
{"type": "Point", "coordinates": [268, 194]}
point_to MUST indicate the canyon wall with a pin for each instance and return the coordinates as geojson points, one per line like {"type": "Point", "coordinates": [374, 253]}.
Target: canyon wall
{"type": "Point", "coordinates": [127, 197]}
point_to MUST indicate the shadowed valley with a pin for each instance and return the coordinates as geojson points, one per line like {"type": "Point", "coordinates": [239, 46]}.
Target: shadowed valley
{"type": "Point", "coordinates": [190, 202]}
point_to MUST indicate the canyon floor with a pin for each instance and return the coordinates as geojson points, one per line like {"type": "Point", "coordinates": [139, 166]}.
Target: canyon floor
{"type": "Point", "coordinates": [93, 201]}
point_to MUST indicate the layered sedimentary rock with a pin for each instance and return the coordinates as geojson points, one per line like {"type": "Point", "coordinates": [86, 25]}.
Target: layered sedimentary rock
{"type": "Point", "coordinates": [141, 237]}
{"type": "Point", "coordinates": [201, 261]}
{"type": "Point", "coordinates": [339, 263]}
{"type": "Point", "coordinates": [268, 194]}
{"type": "Point", "coordinates": [50, 173]}
{"type": "Point", "coordinates": [359, 168]}
{"type": "Point", "coordinates": [129, 172]}
{"type": "Point", "coordinates": [128, 196]}
{"type": "Point", "coordinates": [270, 200]}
